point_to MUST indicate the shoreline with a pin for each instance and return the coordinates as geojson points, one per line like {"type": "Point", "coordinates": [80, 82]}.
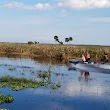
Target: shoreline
{"type": "Point", "coordinates": [53, 51]}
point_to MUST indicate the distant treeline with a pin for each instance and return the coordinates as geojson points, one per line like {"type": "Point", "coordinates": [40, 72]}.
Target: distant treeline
{"type": "Point", "coordinates": [55, 51]}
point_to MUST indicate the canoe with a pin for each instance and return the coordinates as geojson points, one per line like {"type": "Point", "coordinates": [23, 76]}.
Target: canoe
{"type": "Point", "coordinates": [91, 66]}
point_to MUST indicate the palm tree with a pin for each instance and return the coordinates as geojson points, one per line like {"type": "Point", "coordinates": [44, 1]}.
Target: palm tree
{"type": "Point", "coordinates": [66, 40]}
{"type": "Point", "coordinates": [61, 43]}
{"type": "Point", "coordinates": [70, 38]}
{"type": "Point", "coordinates": [56, 38]}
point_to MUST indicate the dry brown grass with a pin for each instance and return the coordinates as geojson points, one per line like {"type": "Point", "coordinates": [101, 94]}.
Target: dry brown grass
{"type": "Point", "coordinates": [53, 50]}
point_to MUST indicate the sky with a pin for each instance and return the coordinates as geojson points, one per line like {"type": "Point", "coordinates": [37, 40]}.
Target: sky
{"type": "Point", "coordinates": [86, 21]}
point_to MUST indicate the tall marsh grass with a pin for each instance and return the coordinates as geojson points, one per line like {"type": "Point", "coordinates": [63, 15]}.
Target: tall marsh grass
{"type": "Point", "coordinates": [53, 50]}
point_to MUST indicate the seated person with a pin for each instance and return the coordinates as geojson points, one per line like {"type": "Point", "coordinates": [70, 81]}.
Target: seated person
{"type": "Point", "coordinates": [88, 57]}
{"type": "Point", "coordinates": [83, 58]}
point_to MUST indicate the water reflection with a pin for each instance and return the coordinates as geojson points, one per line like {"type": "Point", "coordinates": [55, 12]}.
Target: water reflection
{"type": "Point", "coordinates": [72, 93]}
{"type": "Point", "coordinates": [51, 61]}
{"type": "Point", "coordinates": [84, 75]}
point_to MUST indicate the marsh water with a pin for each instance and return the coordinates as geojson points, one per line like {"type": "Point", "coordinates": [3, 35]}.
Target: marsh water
{"type": "Point", "coordinates": [78, 91]}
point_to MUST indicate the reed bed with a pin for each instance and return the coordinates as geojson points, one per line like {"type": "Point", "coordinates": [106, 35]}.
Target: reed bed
{"type": "Point", "coordinates": [53, 50]}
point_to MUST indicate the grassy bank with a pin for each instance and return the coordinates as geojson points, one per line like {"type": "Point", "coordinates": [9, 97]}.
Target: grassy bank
{"type": "Point", "coordinates": [53, 50]}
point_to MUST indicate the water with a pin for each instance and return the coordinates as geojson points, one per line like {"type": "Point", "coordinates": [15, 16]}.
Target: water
{"type": "Point", "coordinates": [78, 91]}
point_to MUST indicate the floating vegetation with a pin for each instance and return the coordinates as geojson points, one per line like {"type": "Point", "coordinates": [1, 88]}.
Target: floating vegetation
{"type": "Point", "coordinates": [56, 86]}
{"type": "Point", "coordinates": [16, 84]}
{"type": "Point", "coordinates": [11, 68]}
{"type": "Point", "coordinates": [60, 74]}
{"type": "Point", "coordinates": [57, 74]}
{"type": "Point", "coordinates": [45, 75]}
{"type": "Point", "coordinates": [6, 99]}
{"type": "Point", "coordinates": [20, 83]}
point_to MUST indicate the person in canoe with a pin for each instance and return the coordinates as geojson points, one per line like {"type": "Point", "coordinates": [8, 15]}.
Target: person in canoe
{"type": "Point", "coordinates": [83, 58]}
{"type": "Point", "coordinates": [88, 57]}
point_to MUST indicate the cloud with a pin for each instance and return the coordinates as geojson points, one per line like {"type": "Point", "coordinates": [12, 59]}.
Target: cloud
{"type": "Point", "coordinates": [84, 4]}
{"type": "Point", "coordinates": [18, 5]}
{"type": "Point", "coordinates": [74, 4]}
{"type": "Point", "coordinates": [78, 88]}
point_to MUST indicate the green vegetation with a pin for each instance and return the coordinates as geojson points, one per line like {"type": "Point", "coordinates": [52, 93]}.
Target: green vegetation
{"type": "Point", "coordinates": [45, 75]}
{"type": "Point", "coordinates": [55, 86]}
{"type": "Point", "coordinates": [36, 42]}
{"type": "Point", "coordinates": [30, 42]}
{"type": "Point", "coordinates": [16, 84]}
{"type": "Point", "coordinates": [6, 99]}
{"type": "Point", "coordinates": [68, 39]}
{"type": "Point", "coordinates": [11, 68]}
{"type": "Point", "coordinates": [20, 83]}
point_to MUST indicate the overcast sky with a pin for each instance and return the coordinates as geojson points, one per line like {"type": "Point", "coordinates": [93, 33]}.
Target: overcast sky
{"type": "Point", "coordinates": [87, 21]}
